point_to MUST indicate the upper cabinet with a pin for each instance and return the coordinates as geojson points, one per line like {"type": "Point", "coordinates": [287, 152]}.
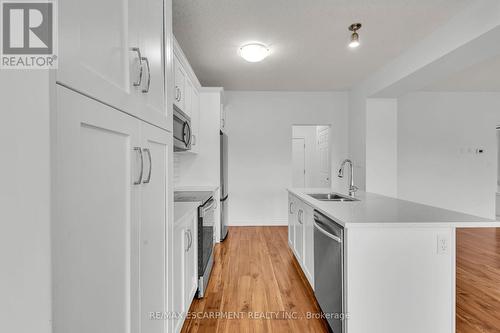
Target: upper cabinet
{"type": "Point", "coordinates": [187, 95]}
{"type": "Point", "coordinates": [223, 121]}
{"type": "Point", "coordinates": [195, 121]}
{"type": "Point", "coordinates": [180, 83]}
{"type": "Point", "coordinates": [113, 51]}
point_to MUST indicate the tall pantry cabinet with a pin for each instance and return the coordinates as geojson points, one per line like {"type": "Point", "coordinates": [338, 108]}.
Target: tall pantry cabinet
{"type": "Point", "coordinates": [112, 167]}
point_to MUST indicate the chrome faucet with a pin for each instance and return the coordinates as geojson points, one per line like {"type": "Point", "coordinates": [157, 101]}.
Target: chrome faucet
{"type": "Point", "coordinates": [352, 188]}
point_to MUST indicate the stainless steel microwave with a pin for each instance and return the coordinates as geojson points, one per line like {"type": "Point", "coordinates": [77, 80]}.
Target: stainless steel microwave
{"type": "Point", "coordinates": [181, 130]}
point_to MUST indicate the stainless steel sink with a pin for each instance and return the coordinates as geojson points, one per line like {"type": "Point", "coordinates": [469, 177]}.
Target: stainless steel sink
{"type": "Point", "coordinates": [331, 197]}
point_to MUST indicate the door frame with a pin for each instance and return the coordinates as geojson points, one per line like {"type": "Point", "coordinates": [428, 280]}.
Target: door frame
{"type": "Point", "coordinates": [304, 160]}
{"type": "Point", "coordinates": [330, 143]}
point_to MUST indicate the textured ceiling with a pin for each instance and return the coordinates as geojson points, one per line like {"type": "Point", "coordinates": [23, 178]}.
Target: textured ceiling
{"type": "Point", "coordinates": [308, 39]}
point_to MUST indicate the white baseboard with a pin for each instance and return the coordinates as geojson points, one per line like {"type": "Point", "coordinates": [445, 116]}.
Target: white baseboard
{"type": "Point", "coordinates": [258, 222]}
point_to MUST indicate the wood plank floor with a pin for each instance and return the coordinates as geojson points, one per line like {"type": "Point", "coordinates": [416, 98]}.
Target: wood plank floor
{"type": "Point", "coordinates": [255, 275]}
{"type": "Point", "coordinates": [478, 280]}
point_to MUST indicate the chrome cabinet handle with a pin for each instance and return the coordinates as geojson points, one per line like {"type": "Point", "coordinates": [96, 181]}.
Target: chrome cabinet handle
{"type": "Point", "coordinates": [176, 93]}
{"type": "Point", "coordinates": [138, 51]}
{"type": "Point", "coordinates": [139, 150]}
{"type": "Point", "coordinates": [189, 239]}
{"type": "Point", "coordinates": [146, 90]}
{"type": "Point", "coordinates": [291, 206]}
{"type": "Point", "coordinates": [148, 152]}
{"type": "Point", "coordinates": [300, 215]}
{"type": "Point", "coordinates": [180, 94]}
{"type": "Point", "coordinates": [186, 236]}
{"type": "Point", "coordinates": [193, 139]}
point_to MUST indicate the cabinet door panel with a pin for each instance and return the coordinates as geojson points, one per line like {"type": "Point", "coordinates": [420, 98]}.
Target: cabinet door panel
{"type": "Point", "coordinates": [292, 211]}
{"type": "Point", "coordinates": [95, 232]}
{"type": "Point", "coordinates": [178, 285]}
{"type": "Point", "coordinates": [299, 232]}
{"type": "Point", "coordinates": [151, 41]}
{"type": "Point", "coordinates": [190, 268]}
{"type": "Point", "coordinates": [95, 57]}
{"type": "Point", "coordinates": [195, 121]}
{"type": "Point", "coordinates": [180, 83]}
{"type": "Point", "coordinates": [309, 243]}
{"type": "Point", "coordinates": [157, 148]}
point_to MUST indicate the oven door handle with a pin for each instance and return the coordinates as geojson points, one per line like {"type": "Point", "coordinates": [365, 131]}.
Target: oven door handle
{"type": "Point", "coordinates": [213, 205]}
{"type": "Point", "coordinates": [327, 234]}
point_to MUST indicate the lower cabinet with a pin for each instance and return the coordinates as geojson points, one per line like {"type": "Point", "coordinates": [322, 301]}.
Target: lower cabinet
{"type": "Point", "coordinates": [308, 257]}
{"type": "Point", "coordinates": [185, 269]}
{"type": "Point", "coordinates": [292, 206]}
{"type": "Point", "coordinates": [111, 211]}
{"type": "Point", "coordinates": [301, 235]}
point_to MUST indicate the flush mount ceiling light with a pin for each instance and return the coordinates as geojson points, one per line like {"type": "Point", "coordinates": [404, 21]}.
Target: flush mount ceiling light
{"type": "Point", "coordinates": [354, 36]}
{"type": "Point", "coordinates": [254, 52]}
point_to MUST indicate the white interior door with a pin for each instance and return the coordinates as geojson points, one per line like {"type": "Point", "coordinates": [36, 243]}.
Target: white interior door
{"type": "Point", "coordinates": [298, 162]}
{"type": "Point", "coordinates": [323, 136]}
{"type": "Point", "coordinates": [155, 193]}
{"type": "Point", "coordinates": [95, 230]}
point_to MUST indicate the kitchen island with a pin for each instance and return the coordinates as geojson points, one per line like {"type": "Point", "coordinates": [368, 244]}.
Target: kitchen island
{"type": "Point", "coordinates": [398, 259]}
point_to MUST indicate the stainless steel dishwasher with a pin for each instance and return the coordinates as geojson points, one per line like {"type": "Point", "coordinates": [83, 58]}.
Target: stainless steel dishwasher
{"type": "Point", "coordinates": [329, 270]}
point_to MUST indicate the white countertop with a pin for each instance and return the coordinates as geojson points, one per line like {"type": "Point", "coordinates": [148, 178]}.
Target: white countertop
{"type": "Point", "coordinates": [182, 209]}
{"type": "Point", "coordinates": [375, 209]}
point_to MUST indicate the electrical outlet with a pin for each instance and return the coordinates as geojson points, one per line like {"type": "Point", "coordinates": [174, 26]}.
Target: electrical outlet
{"type": "Point", "coordinates": [443, 244]}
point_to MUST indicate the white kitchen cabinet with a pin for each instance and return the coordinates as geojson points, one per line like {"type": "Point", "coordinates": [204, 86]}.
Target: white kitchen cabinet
{"type": "Point", "coordinates": [109, 231]}
{"type": "Point", "coordinates": [195, 121]}
{"type": "Point", "coordinates": [187, 95]}
{"type": "Point", "coordinates": [180, 84]}
{"type": "Point", "coordinates": [191, 261]}
{"type": "Point", "coordinates": [188, 100]}
{"type": "Point", "coordinates": [156, 149]}
{"type": "Point", "coordinates": [223, 121]}
{"type": "Point", "coordinates": [301, 235]}
{"type": "Point", "coordinates": [185, 269]}
{"type": "Point", "coordinates": [178, 279]}
{"type": "Point", "coordinates": [292, 217]}
{"type": "Point", "coordinates": [308, 259]}
{"type": "Point", "coordinates": [103, 48]}
{"type": "Point", "coordinates": [152, 48]}
{"type": "Point", "coordinates": [95, 232]}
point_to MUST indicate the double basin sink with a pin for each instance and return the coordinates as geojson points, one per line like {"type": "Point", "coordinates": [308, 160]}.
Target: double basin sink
{"type": "Point", "coordinates": [331, 197]}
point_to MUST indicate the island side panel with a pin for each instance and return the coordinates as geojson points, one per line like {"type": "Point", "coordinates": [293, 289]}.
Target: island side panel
{"type": "Point", "coordinates": [399, 281]}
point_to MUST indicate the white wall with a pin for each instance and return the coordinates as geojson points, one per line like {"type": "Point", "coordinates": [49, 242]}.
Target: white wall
{"type": "Point", "coordinates": [381, 146]}
{"type": "Point", "coordinates": [25, 278]}
{"type": "Point", "coordinates": [260, 160]}
{"type": "Point", "coordinates": [438, 134]}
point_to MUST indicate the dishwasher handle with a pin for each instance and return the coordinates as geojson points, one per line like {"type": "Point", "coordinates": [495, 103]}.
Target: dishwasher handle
{"type": "Point", "coordinates": [327, 234]}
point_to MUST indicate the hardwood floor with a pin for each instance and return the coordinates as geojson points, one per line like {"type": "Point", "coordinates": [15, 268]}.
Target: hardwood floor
{"type": "Point", "coordinates": [255, 275]}
{"type": "Point", "coordinates": [478, 280]}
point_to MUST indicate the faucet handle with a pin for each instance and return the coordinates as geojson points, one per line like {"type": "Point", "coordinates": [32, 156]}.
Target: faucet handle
{"type": "Point", "coordinates": [353, 189]}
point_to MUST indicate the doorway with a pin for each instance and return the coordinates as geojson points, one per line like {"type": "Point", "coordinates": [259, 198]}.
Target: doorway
{"type": "Point", "coordinates": [311, 166]}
